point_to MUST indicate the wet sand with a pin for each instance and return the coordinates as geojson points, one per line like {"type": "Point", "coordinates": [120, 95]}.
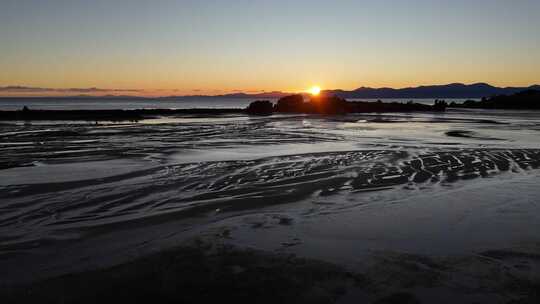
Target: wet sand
{"type": "Point", "coordinates": [191, 190]}
{"type": "Point", "coordinates": [199, 273]}
{"type": "Point", "coordinates": [209, 271]}
{"type": "Point", "coordinates": [397, 200]}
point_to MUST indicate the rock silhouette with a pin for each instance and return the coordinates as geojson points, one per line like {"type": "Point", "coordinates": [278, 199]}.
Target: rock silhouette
{"type": "Point", "coordinates": [260, 107]}
{"type": "Point", "coordinates": [331, 104]}
{"type": "Point", "coordinates": [525, 100]}
{"type": "Point", "coordinates": [291, 104]}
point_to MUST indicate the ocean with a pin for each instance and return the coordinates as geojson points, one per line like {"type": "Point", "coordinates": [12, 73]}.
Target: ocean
{"type": "Point", "coordinates": [137, 103]}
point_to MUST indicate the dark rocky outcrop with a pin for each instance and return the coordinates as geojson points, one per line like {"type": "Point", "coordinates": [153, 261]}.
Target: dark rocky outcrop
{"type": "Point", "coordinates": [260, 107]}
{"type": "Point", "coordinates": [291, 104]}
{"type": "Point", "coordinates": [329, 104]}
{"type": "Point", "coordinates": [525, 100]}
{"type": "Point", "coordinates": [316, 105]}
{"type": "Point", "coordinates": [385, 107]}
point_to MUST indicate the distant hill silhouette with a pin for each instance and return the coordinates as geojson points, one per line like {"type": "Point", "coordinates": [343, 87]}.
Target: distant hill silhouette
{"type": "Point", "coordinates": [453, 90]}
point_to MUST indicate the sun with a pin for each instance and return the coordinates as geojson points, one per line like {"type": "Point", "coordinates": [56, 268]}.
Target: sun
{"type": "Point", "coordinates": [315, 90]}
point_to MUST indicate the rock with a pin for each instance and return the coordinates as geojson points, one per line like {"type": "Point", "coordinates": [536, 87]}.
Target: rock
{"type": "Point", "coordinates": [440, 105]}
{"type": "Point", "coordinates": [323, 104]}
{"type": "Point", "coordinates": [260, 107]}
{"type": "Point", "coordinates": [291, 104]}
{"type": "Point", "coordinates": [525, 100]}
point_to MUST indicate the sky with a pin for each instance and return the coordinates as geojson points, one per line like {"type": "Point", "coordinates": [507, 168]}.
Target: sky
{"type": "Point", "coordinates": [220, 46]}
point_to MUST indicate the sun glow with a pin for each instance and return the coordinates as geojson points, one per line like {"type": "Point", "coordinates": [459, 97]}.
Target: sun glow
{"type": "Point", "coordinates": [315, 90]}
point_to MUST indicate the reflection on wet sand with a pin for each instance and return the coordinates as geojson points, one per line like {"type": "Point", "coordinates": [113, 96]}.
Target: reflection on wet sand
{"type": "Point", "coordinates": [75, 192]}
{"type": "Point", "coordinates": [196, 189]}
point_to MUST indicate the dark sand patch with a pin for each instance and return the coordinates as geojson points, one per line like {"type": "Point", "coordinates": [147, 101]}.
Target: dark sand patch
{"type": "Point", "coordinates": [203, 272]}
{"type": "Point", "coordinates": [199, 273]}
{"type": "Point", "coordinates": [469, 134]}
{"type": "Point", "coordinates": [460, 133]}
{"type": "Point", "coordinates": [411, 278]}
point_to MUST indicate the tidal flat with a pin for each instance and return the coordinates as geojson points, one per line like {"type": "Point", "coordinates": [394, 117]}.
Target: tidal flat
{"type": "Point", "coordinates": [372, 207]}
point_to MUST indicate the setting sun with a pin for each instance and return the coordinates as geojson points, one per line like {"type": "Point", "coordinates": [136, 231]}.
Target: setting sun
{"type": "Point", "coordinates": [315, 90]}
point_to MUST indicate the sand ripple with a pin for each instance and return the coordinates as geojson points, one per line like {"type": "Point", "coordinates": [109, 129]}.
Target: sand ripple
{"type": "Point", "coordinates": [34, 213]}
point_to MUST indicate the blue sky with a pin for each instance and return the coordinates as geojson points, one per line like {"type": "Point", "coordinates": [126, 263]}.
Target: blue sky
{"type": "Point", "coordinates": [221, 46]}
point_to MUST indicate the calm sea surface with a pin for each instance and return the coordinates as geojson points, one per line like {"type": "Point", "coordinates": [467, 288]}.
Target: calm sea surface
{"type": "Point", "coordinates": [135, 103]}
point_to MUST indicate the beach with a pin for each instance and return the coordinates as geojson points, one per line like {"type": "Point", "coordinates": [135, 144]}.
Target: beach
{"type": "Point", "coordinates": [406, 205]}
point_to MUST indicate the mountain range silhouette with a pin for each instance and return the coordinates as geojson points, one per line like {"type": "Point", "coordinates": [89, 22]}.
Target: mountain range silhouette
{"type": "Point", "coordinates": [453, 90]}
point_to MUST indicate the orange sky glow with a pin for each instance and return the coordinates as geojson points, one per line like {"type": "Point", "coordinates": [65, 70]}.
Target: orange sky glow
{"type": "Point", "coordinates": [218, 47]}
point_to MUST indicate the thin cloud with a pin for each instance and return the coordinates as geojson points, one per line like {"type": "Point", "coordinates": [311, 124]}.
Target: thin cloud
{"type": "Point", "coordinates": [22, 89]}
{"type": "Point", "coordinates": [26, 89]}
